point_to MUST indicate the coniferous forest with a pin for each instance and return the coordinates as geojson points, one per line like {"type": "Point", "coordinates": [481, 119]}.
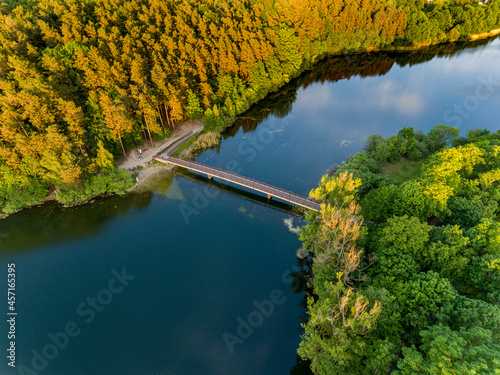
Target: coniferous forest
{"type": "Point", "coordinates": [82, 81]}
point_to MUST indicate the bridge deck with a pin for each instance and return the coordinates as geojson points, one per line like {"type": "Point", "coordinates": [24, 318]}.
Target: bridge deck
{"type": "Point", "coordinates": [243, 181]}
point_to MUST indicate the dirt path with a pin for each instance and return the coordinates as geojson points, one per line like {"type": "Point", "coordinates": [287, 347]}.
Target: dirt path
{"type": "Point", "coordinates": [136, 159]}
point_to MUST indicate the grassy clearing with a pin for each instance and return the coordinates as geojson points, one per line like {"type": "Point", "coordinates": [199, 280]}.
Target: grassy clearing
{"type": "Point", "coordinates": [402, 170]}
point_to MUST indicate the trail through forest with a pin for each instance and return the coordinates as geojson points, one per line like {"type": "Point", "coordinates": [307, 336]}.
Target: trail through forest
{"type": "Point", "coordinates": [136, 159]}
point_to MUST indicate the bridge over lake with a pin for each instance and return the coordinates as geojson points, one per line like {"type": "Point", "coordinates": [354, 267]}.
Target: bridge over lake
{"type": "Point", "coordinates": [271, 191]}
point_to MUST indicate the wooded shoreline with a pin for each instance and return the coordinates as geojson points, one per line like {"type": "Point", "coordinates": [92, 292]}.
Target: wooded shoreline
{"type": "Point", "coordinates": [414, 290]}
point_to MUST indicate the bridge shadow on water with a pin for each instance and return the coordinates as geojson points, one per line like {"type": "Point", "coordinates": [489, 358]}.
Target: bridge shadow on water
{"type": "Point", "coordinates": [243, 192]}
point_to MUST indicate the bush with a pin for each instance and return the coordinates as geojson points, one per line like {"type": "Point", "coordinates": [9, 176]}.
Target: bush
{"type": "Point", "coordinates": [214, 120]}
{"type": "Point", "coordinates": [14, 198]}
{"type": "Point", "coordinates": [114, 182]}
{"type": "Point", "coordinates": [204, 141]}
{"type": "Point", "coordinates": [366, 168]}
{"type": "Point", "coordinates": [378, 204]}
{"type": "Point", "coordinates": [463, 213]}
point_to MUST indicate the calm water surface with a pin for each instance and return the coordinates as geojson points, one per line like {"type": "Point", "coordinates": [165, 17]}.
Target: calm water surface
{"type": "Point", "coordinates": [202, 256]}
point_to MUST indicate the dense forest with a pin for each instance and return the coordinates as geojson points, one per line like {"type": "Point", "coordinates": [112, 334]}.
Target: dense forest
{"type": "Point", "coordinates": [406, 258]}
{"type": "Point", "coordinates": [82, 81]}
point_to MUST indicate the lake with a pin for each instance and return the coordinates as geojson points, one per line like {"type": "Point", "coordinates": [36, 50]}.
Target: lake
{"type": "Point", "coordinates": [195, 277]}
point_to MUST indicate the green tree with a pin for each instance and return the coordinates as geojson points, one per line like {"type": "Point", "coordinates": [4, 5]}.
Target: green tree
{"type": "Point", "coordinates": [104, 159]}
{"type": "Point", "coordinates": [485, 237]}
{"type": "Point", "coordinates": [421, 299]}
{"type": "Point", "coordinates": [441, 136]}
{"type": "Point", "coordinates": [463, 213]}
{"type": "Point", "coordinates": [334, 335]}
{"type": "Point", "coordinates": [412, 201]}
{"type": "Point", "coordinates": [484, 277]}
{"type": "Point", "coordinates": [406, 234]}
{"type": "Point", "coordinates": [378, 204]}
{"type": "Point", "coordinates": [444, 351]}
{"type": "Point", "coordinates": [392, 264]}
{"type": "Point", "coordinates": [447, 253]}
{"type": "Point", "coordinates": [193, 106]}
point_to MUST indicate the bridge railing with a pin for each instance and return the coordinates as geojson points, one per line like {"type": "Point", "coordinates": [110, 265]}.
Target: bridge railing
{"type": "Point", "coordinates": [216, 172]}
{"type": "Point", "coordinates": [245, 181]}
